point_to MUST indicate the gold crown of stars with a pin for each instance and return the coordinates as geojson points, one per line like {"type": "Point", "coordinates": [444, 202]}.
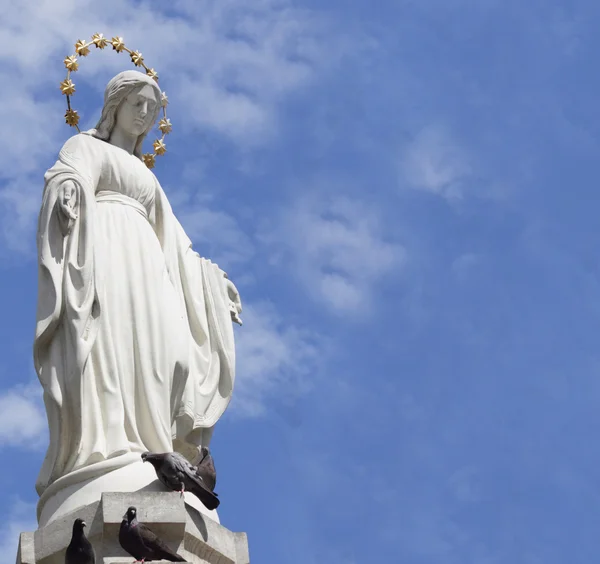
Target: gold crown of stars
{"type": "Point", "coordinates": [67, 87]}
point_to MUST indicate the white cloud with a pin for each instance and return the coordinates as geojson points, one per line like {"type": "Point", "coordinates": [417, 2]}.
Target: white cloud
{"type": "Point", "coordinates": [337, 249]}
{"type": "Point", "coordinates": [274, 358]}
{"type": "Point", "coordinates": [22, 417]}
{"type": "Point", "coordinates": [28, 128]}
{"type": "Point", "coordinates": [31, 136]}
{"type": "Point", "coordinates": [231, 113]}
{"type": "Point", "coordinates": [18, 209]}
{"type": "Point", "coordinates": [215, 234]}
{"type": "Point", "coordinates": [434, 162]}
{"type": "Point", "coordinates": [20, 518]}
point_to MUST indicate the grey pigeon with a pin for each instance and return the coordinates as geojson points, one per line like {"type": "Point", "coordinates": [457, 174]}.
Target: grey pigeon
{"type": "Point", "coordinates": [177, 474]}
{"type": "Point", "coordinates": [80, 549]}
{"type": "Point", "coordinates": [206, 469]}
{"type": "Point", "coordinates": [139, 541]}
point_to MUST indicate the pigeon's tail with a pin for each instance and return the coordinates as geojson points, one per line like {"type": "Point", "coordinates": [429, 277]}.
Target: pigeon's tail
{"type": "Point", "coordinates": [208, 498]}
{"type": "Point", "coordinates": [172, 557]}
{"type": "Point", "coordinates": [207, 475]}
{"type": "Point", "coordinates": [160, 551]}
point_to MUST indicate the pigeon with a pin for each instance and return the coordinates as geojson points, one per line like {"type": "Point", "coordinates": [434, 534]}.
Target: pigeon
{"type": "Point", "coordinates": [206, 469]}
{"type": "Point", "coordinates": [177, 474]}
{"type": "Point", "coordinates": [139, 541]}
{"type": "Point", "coordinates": [80, 550]}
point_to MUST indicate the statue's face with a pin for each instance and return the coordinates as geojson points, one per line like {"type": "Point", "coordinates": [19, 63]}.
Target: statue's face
{"type": "Point", "coordinates": [137, 110]}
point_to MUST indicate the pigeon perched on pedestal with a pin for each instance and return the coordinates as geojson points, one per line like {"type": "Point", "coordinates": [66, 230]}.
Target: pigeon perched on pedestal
{"type": "Point", "coordinates": [206, 469]}
{"type": "Point", "coordinates": [80, 549]}
{"type": "Point", "coordinates": [139, 541]}
{"type": "Point", "coordinates": [176, 473]}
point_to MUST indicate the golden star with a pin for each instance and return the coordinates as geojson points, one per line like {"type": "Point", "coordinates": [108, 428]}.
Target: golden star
{"type": "Point", "coordinates": [165, 125]}
{"type": "Point", "coordinates": [71, 63]}
{"type": "Point", "coordinates": [152, 74]}
{"type": "Point", "coordinates": [81, 48]}
{"type": "Point", "coordinates": [99, 40]}
{"type": "Point", "coordinates": [137, 59]}
{"type": "Point", "coordinates": [159, 147]}
{"type": "Point", "coordinates": [118, 44]}
{"type": "Point", "coordinates": [148, 159]}
{"type": "Point", "coordinates": [67, 87]}
{"type": "Point", "coordinates": [72, 117]}
{"type": "Point", "coordinates": [164, 101]}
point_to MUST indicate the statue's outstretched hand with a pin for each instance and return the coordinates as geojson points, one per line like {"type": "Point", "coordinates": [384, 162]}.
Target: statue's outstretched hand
{"type": "Point", "coordinates": [235, 302]}
{"type": "Point", "coordinates": [67, 204]}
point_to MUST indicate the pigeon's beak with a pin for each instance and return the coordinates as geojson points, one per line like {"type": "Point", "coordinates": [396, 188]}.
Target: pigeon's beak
{"type": "Point", "coordinates": [84, 524]}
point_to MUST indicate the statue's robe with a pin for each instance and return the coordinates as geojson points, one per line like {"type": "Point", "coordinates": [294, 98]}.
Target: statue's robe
{"type": "Point", "coordinates": [134, 341]}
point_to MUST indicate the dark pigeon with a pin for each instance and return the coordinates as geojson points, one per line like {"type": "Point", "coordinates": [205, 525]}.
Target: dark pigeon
{"type": "Point", "coordinates": [80, 550]}
{"type": "Point", "coordinates": [206, 469]}
{"type": "Point", "coordinates": [177, 474]}
{"type": "Point", "coordinates": [139, 541]}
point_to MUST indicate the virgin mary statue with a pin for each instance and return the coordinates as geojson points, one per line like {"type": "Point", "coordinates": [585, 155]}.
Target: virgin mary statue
{"type": "Point", "coordinates": [134, 342]}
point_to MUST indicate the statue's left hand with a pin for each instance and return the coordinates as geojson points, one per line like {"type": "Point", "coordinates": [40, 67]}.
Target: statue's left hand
{"type": "Point", "coordinates": [67, 206]}
{"type": "Point", "coordinates": [235, 302]}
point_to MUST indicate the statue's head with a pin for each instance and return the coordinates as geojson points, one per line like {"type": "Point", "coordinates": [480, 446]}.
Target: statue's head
{"type": "Point", "coordinates": [132, 102]}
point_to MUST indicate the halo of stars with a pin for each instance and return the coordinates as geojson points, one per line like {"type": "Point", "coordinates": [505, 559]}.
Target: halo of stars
{"type": "Point", "coordinates": [67, 87]}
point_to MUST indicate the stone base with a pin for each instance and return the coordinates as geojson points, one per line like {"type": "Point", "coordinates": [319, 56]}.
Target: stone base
{"type": "Point", "coordinates": [192, 534]}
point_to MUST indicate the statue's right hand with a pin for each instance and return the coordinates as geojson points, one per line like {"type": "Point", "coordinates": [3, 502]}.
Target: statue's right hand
{"type": "Point", "coordinates": [67, 203]}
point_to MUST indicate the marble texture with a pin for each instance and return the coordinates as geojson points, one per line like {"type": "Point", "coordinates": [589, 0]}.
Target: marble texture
{"type": "Point", "coordinates": [134, 343]}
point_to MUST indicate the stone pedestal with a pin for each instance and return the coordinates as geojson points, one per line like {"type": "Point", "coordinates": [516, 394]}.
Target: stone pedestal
{"type": "Point", "coordinates": [192, 534]}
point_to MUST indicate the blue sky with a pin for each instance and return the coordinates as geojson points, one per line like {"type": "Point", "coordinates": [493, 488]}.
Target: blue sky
{"type": "Point", "coordinates": [406, 196]}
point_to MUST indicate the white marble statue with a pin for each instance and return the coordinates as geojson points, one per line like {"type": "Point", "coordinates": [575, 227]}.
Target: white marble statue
{"type": "Point", "coordinates": [134, 342]}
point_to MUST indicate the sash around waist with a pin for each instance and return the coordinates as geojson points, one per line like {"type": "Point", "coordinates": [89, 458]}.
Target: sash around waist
{"type": "Point", "coordinates": [106, 196]}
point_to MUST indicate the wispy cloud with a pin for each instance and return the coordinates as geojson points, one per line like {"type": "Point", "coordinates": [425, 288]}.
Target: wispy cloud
{"type": "Point", "coordinates": [17, 519]}
{"type": "Point", "coordinates": [22, 417]}
{"type": "Point", "coordinates": [337, 249]}
{"type": "Point", "coordinates": [274, 358]}
{"type": "Point", "coordinates": [434, 161]}
{"type": "Point", "coordinates": [34, 136]}
{"type": "Point", "coordinates": [214, 233]}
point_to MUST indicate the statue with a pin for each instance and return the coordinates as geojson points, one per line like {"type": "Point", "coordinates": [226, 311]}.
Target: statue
{"type": "Point", "coordinates": [134, 343]}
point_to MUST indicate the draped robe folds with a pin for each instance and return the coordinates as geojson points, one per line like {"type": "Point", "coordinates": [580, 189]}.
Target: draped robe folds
{"type": "Point", "coordinates": [134, 341]}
